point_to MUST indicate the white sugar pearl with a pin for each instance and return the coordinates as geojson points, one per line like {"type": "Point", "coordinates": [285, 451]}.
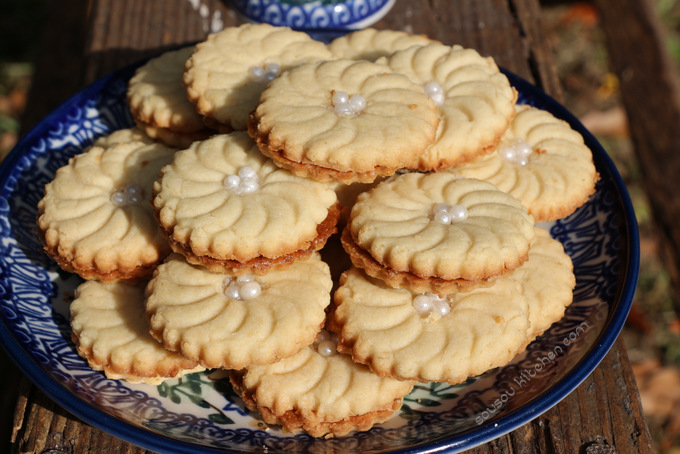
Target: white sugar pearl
{"type": "Point", "coordinates": [441, 208]}
{"type": "Point", "coordinates": [323, 336]}
{"type": "Point", "coordinates": [246, 172]}
{"type": "Point", "coordinates": [248, 185]}
{"type": "Point", "coordinates": [435, 92]}
{"type": "Point", "coordinates": [458, 213]}
{"type": "Point", "coordinates": [438, 99]}
{"type": "Point", "coordinates": [268, 77]}
{"type": "Point", "coordinates": [343, 109]}
{"type": "Point", "coordinates": [232, 291]}
{"type": "Point", "coordinates": [118, 198]}
{"type": "Point", "coordinates": [250, 290]}
{"type": "Point", "coordinates": [340, 97]}
{"type": "Point", "coordinates": [133, 189]}
{"type": "Point", "coordinates": [257, 73]}
{"type": "Point", "coordinates": [273, 68]}
{"type": "Point", "coordinates": [422, 304]}
{"type": "Point", "coordinates": [232, 181]}
{"type": "Point", "coordinates": [443, 217]}
{"type": "Point", "coordinates": [517, 152]}
{"type": "Point", "coordinates": [508, 153]}
{"type": "Point", "coordinates": [433, 87]}
{"type": "Point", "coordinates": [357, 103]}
{"type": "Point", "coordinates": [326, 348]}
{"type": "Point", "coordinates": [442, 306]}
{"type": "Point", "coordinates": [522, 147]}
{"type": "Point", "coordinates": [245, 278]}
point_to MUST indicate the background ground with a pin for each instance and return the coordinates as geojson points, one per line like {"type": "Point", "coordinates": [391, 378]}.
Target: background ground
{"type": "Point", "coordinates": [652, 332]}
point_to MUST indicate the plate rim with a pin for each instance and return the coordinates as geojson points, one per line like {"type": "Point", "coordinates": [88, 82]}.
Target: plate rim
{"type": "Point", "coordinates": [470, 438]}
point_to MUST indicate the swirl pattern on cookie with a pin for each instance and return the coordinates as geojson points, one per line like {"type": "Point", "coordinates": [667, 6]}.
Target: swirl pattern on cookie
{"type": "Point", "coordinates": [111, 332]}
{"type": "Point", "coordinates": [223, 77]}
{"type": "Point", "coordinates": [475, 101]}
{"type": "Point", "coordinates": [548, 281]}
{"type": "Point", "coordinates": [381, 327]}
{"type": "Point", "coordinates": [302, 123]}
{"type": "Point", "coordinates": [223, 204]}
{"type": "Point", "coordinates": [125, 135]}
{"type": "Point", "coordinates": [322, 395]}
{"type": "Point", "coordinates": [198, 314]}
{"type": "Point", "coordinates": [400, 225]}
{"type": "Point", "coordinates": [95, 218]}
{"type": "Point", "coordinates": [372, 44]}
{"type": "Point", "coordinates": [558, 174]}
{"type": "Point", "coordinates": [158, 100]}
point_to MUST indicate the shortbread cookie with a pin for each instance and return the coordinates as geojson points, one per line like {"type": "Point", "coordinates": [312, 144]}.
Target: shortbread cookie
{"type": "Point", "coordinates": [543, 162]}
{"type": "Point", "coordinates": [420, 336]}
{"type": "Point", "coordinates": [344, 121]}
{"type": "Point", "coordinates": [436, 232]}
{"type": "Point", "coordinates": [371, 44]}
{"type": "Point", "coordinates": [224, 205]}
{"type": "Point", "coordinates": [95, 218]}
{"type": "Point", "coordinates": [172, 138]}
{"type": "Point", "coordinates": [111, 332]}
{"type": "Point", "coordinates": [227, 72]}
{"type": "Point", "coordinates": [321, 392]}
{"type": "Point", "coordinates": [548, 281]}
{"type": "Point", "coordinates": [125, 135]}
{"type": "Point", "coordinates": [475, 101]}
{"type": "Point", "coordinates": [158, 101]}
{"type": "Point", "coordinates": [226, 322]}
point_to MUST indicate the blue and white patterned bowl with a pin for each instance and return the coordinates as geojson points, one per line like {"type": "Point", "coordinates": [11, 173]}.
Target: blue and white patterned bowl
{"type": "Point", "coordinates": [315, 14]}
{"type": "Point", "coordinates": [201, 414]}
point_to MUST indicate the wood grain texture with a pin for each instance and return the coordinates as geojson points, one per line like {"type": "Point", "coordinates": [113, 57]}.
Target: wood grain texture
{"type": "Point", "coordinates": [602, 415]}
{"type": "Point", "coordinates": [651, 96]}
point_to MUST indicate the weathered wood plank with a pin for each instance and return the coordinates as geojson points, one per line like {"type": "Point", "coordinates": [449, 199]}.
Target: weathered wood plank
{"type": "Point", "coordinates": [651, 96]}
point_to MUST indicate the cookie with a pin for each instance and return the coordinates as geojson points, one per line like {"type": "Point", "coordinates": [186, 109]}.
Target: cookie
{"type": "Point", "coordinates": [548, 281]}
{"type": "Point", "coordinates": [227, 72]}
{"type": "Point", "coordinates": [475, 101]}
{"type": "Point", "coordinates": [226, 322]}
{"type": "Point", "coordinates": [111, 332]}
{"type": "Point", "coordinates": [372, 44]}
{"type": "Point", "coordinates": [95, 218]}
{"type": "Point", "coordinates": [343, 120]}
{"type": "Point", "coordinates": [437, 232]}
{"type": "Point", "coordinates": [125, 135]}
{"type": "Point", "coordinates": [158, 101]}
{"type": "Point", "coordinates": [321, 392]}
{"type": "Point", "coordinates": [225, 206]}
{"type": "Point", "coordinates": [423, 337]}
{"type": "Point", "coordinates": [543, 162]}
{"type": "Point", "coordinates": [172, 138]}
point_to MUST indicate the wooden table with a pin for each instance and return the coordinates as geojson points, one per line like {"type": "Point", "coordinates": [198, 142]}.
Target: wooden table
{"type": "Point", "coordinates": [85, 40]}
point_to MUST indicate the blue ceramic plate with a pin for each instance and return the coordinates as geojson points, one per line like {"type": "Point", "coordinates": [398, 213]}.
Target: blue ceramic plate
{"type": "Point", "coordinates": [200, 413]}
